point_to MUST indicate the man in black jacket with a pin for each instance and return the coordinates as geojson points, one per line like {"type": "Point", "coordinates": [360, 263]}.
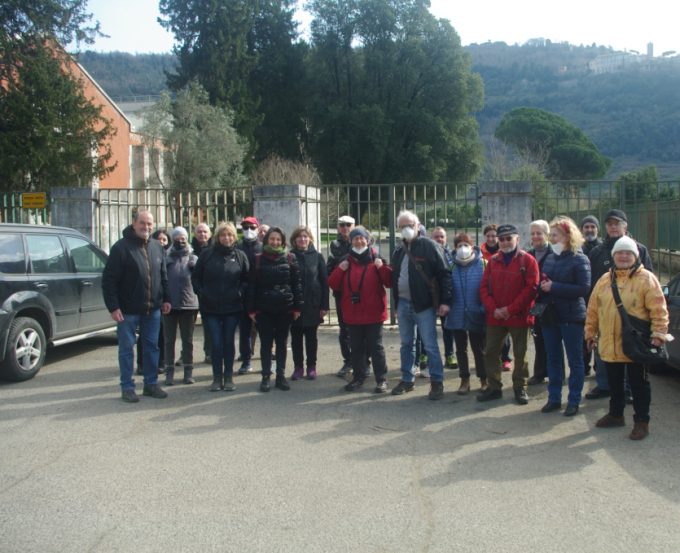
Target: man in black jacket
{"type": "Point", "coordinates": [135, 288]}
{"type": "Point", "coordinates": [251, 247]}
{"type": "Point", "coordinates": [616, 225]}
{"type": "Point", "coordinates": [340, 248]}
{"type": "Point", "coordinates": [421, 286]}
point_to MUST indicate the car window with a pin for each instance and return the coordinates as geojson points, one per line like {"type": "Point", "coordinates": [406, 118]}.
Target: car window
{"type": "Point", "coordinates": [12, 257]}
{"type": "Point", "coordinates": [674, 287]}
{"type": "Point", "coordinates": [86, 257]}
{"type": "Point", "coordinates": [46, 254]}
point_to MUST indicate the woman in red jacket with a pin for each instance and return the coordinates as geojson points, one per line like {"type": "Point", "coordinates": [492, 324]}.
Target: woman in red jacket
{"type": "Point", "coordinates": [360, 280]}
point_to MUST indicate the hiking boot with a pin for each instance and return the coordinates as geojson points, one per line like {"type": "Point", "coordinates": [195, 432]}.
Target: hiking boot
{"type": "Point", "coordinates": [610, 421]}
{"type": "Point", "coordinates": [344, 371]}
{"type": "Point", "coordinates": [354, 385]}
{"type": "Point", "coordinates": [436, 390]}
{"type": "Point", "coordinates": [380, 387]}
{"type": "Point", "coordinates": [188, 375]}
{"type": "Point", "coordinates": [551, 406]}
{"type": "Point", "coordinates": [489, 394]}
{"type": "Point", "coordinates": [464, 387]}
{"type": "Point", "coordinates": [216, 385]}
{"type": "Point", "coordinates": [129, 396]}
{"type": "Point", "coordinates": [311, 372]}
{"type": "Point", "coordinates": [245, 368]}
{"type": "Point", "coordinates": [170, 376]}
{"type": "Point", "coordinates": [264, 384]}
{"type": "Point", "coordinates": [640, 431]}
{"type": "Point", "coordinates": [155, 391]}
{"type": "Point", "coordinates": [521, 396]}
{"type": "Point", "coordinates": [281, 383]}
{"type": "Point", "coordinates": [298, 373]}
{"type": "Point", "coordinates": [229, 384]}
{"type": "Point", "coordinates": [571, 410]}
{"type": "Point", "coordinates": [451, 362]}
{"type": "Point", "coordinates": [402, 388]}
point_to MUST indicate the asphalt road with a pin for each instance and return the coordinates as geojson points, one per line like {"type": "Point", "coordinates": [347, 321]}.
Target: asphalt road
{"type": "Point", "coordinates": [318, 469]}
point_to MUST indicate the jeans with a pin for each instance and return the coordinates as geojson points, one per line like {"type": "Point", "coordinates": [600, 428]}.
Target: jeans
{"type": "Point", "coordinates": [186, 320]}
{"type": "Point", "coordinates": [222, 330]}
{"type": "Point", "coordinates": [640, 388]}
{"type": "Point", "coordinates": [477, 343]}
{"type": "Point", "coordinates": [308, 335]}
{"type": "Point", "coordinates": [273, 328]}
{"type": "Point", "coordinates": [425, 321]}
{"type": "Point", "coordinates": [571, 335]}
{"type": "Point", "coordinates": [495, 338]}
{"type": "Point", "coordinates": [366, 340]}
{"type": "Point", "coordinates": [149, 329]}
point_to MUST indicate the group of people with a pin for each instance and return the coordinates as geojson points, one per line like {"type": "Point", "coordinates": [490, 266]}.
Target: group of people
{"type": "Point", "coordinates": [560, 291]}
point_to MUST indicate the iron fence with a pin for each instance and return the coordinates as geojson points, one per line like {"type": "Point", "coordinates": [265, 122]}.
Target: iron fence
{"type": "Point", "coordinates": [12, 210]}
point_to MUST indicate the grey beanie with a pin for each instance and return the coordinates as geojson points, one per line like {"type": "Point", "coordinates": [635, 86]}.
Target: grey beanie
{"type": "Point", "coordinates": [179, 231]}
{"type": "Point", "coordinates": [590, 219]}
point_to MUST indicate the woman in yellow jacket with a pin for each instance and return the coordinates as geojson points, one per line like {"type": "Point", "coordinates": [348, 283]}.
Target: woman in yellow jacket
{"type": "Point", "coordinates": [643, 298]}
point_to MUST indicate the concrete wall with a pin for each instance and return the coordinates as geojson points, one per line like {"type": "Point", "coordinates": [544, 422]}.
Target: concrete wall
{"type": "Point", "coordinates": [287, 206]}
{"type": "Point", "coordinates": [507, 203]}
{"type": "Point", "coordinates": [73, 208]}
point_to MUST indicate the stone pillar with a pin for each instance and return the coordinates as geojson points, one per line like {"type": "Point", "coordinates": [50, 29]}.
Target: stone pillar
{"type": "Point", "coordinates": [288, 206]}
{"type": "Point", "coordinates": [507, 203]}
{"type": "Point", "coordinates": [73, 208]}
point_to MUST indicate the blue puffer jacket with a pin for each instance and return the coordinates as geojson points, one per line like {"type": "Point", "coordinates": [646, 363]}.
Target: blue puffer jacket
{"type": "Point", "coordinates": [570, 275]}
{"type": "Point", "coordinates": [466, 309]}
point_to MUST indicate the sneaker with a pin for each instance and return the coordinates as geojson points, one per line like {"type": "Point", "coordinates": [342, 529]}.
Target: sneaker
{"type": "Point", "coordinates": [344, 371]}
{"type": "Point", "coordinates": [423, 361]}
{"type": "Point", "coordinates": [281, 383]}
{"type": "Point", "coordinates": [380, 387]}
{"type": "Point", "coordinates": [229, 384]}
{"type": "Point", "coordinates": [489, 394]}
{"type": "Point", "coordinates": [129, 396]}
{"type": "Point", "coordinates": [354, 385]}
{"type": "Point", "coordinates": [245, 368]}
{"type": "Point", "coordinates": [298, 373]}
{"type": "Point", "coordinates": [416, 370]}
{"type": "Point", "coordinates": [311, 373]}
{"type": "Point", "coordinates": [535, 380]}
{"type": "Point", "coordinates": [451, 362]}
{"type": "Point", "coordinates": [424, 373]}
{"type": "Point", "coordinates": [597, 393]}
{"type": "Point", "coordinates": [550, 407]}
{"type": "Point", "coordinates": [507, 366]}
{"type": "Point", "coordinates": [216, 385]}
{"type": "Point", "coordinates": [521, 396]}
{"type": "Point", "coordinates": [402, 388]}
{"type": "Point", "coordinates": [436, 390]}
{"type": "Point", "coordinates": [155, 391]}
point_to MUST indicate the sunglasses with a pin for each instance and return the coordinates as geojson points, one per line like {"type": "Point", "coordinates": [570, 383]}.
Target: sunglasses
{"type": "Point", "coordinates": [248, 227]}
{"type": "Point", "coordinates": [505, 238]}
{"type": "Point", "coordinates": [344, 224]}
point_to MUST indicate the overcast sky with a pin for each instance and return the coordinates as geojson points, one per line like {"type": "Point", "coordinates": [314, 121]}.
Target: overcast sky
{"type": "Point", "coordinates": [132, 24]}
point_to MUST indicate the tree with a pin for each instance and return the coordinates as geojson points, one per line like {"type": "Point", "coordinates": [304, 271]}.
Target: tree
{"type": "Point", "coordinates": [639, 186]}
{"type": "Point", "coordinates": [569, 153]}
{"type": "Point", "coordinates": [50, 134]}
{"type": "Point", "coordinates": [392, 96]}
{"type": "Point", "coordinates": [204, 150]}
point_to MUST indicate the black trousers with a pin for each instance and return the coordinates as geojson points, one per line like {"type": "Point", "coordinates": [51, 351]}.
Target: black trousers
{"type": "Point", "coordinates": [245, 338]}
{"type": "Point", "coordinates": [541, 359]}
{"type": "Point", "coordinates": [308, 335]}
{"type": "Point", "coordinates": [366, 340]}
{"type": "Point", "coordinates": [344, 333]}
{"type": "Point", "coordinates": [639, 387]}
{"type": "Point", "coordinates": [273, 328]}
{"type": "Point", "coordinates": [477, 343]}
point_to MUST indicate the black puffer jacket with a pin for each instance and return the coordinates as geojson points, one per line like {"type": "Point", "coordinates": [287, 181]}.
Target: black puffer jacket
{"type": "Point", "coordinates": [314, 285]}
{"type": "Point", "coordinates": [251, 248]}
{"type": "Point", "coordinates": [135, 278]}
{"type": "Point", "coordinates": [219, 279]}
{"type": "Point", "coordinates": [340, 248]}
{"type": "Point", "coordinates": [274, 284]}
{"type": "Point", "coordinates": [430, 257]}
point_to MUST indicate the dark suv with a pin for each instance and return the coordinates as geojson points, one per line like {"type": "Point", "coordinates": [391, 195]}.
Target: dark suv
{"type": "Point", "coordinates": [50, 293]}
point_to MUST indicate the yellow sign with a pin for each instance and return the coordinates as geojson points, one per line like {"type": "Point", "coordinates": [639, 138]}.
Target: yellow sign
{"type": "Point", "coordinates": [33, 200]}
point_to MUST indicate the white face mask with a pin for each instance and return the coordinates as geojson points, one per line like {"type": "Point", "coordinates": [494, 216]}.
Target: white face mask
{"type": "Point", "coordinates": [408, 233]}
{"type": "Point", "coordinates": [250, 234]}
{"type": "Point", "coordinates": [359, 251]}
{"type": "Point", "coordinates": [557, 248]}
{"type": "Point", "coordinates": [464, 251]}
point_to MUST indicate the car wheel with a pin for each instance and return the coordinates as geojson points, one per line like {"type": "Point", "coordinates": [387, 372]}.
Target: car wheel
{"type": "Point", "coordinates": [26, 348]}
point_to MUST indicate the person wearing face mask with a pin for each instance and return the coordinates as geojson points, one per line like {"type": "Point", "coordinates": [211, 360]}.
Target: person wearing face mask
{"type": "Point", "coordinates": [540, 248]}
{"type": "Point", "coordinates": [250, 246]}
{"type": "Point", "coordinates": [642, 297]}
{"type": "Point", "coordinates": [565, 282]}
{"type": "Point", "coordinates": [180, 262]}
{"type": "Point", "coordinates": [219, 280]}
{"type": "Point", "coordinates": [466, 315]}
{"type": "Point", "coordinates": [135, 290]}
{"type": "Point", "coordinates": [439, 236]}
{"type": "Point", "coordinates": [590, 227]}
{"type": "Point", "coordinates": [507, 291]}
{"type": "Point", "coordinates": [315, 290]}
{"type": "Point", "coordinates": [359, 281]}
{"type": "Point", "coordinates": [421, 289]}
{"type": "Point", "coordinates": [601, 262]}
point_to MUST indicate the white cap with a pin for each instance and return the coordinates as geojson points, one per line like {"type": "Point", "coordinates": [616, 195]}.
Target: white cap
{"type": "Point", "coordinates": [626, 244]}
{"type": "Point", "coordinates": [346, 219]}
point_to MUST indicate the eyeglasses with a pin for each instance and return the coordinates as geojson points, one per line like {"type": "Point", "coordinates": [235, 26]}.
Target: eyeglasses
{"type": "Point", "coordinates": [505, 238]}
{"type": "Point", "coordinates": [344, 224]}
